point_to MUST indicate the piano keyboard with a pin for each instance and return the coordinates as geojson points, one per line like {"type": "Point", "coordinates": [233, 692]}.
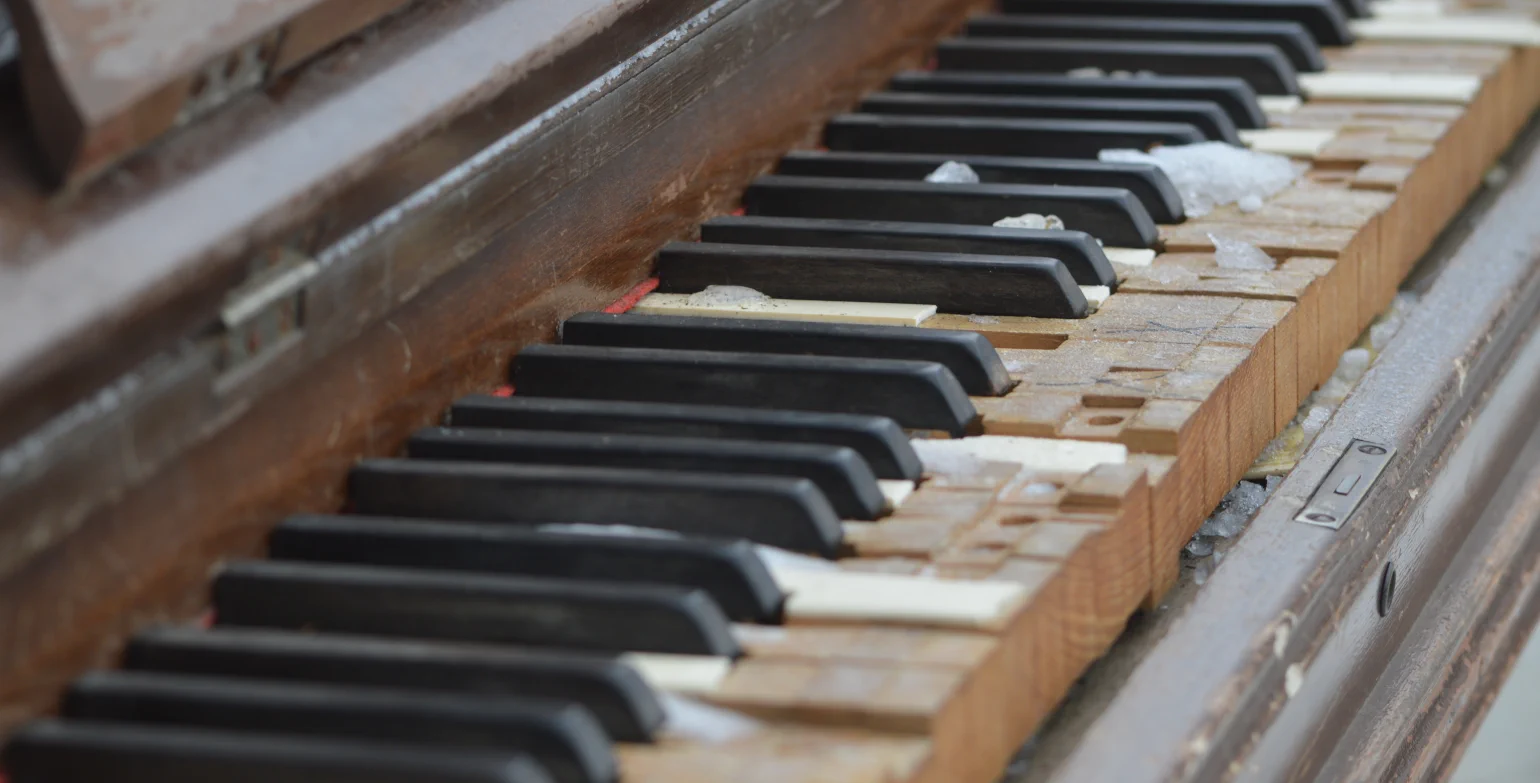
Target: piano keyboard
{"type": "Point", "coordinates": [697, 542]}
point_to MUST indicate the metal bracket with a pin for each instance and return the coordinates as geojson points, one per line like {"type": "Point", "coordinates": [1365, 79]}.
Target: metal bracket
{"type": "Point", "coordinates": [1346, 484]}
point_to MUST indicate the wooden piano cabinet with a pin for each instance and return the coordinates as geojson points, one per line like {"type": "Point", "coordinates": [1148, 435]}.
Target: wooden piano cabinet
{"type": "Point", "coordinates": [565, 221]}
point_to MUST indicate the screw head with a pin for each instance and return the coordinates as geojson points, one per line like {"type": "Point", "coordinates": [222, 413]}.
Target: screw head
{"type": "Point", "coordinates": [1387, 593]}
{"type": "Point", "coordinates": [1368, 448]}
{"type": "Point", "coordinates": [1319, 517]}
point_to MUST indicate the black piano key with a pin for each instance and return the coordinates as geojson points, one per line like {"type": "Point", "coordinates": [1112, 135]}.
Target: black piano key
{"type": "Point", "coordinates": [624, 704]}
{"type": "Point", "coordinates": [917, 395]}
{"type": "Point", "coordinates": [1291, 38]}
{"type": "Point", "coordinates": [999, 135]}
{"type": "Point", "coordinates": [878, 439]}
{"type": "Point", "coordinates": [839, 472]}
{"type": "Point", "coordinates": [969, 355]}
{"type": "Point", "coordinates": [562, 736]}
{"type": "Point", "coordinates": [1234, 95]}
{"type": "Point", "coordinates": [1261, 65]}
{"type": "Point", "coordinates": [1112, 215]}
{"type": "Point", "coordinates": [953, 282]}
{"type": "Point", "coordinates": [780, 511]}
{"type": "Point", "coordinates": [1146, 181]}
{"type": "Point", "coordinates": [52, 751]}
{"type": "Point", "coordinates": [1076, 250]}
{"type": "Point", "coordinates": [730, 571]}
{"type": "Point", "coordinates": [1323, 18]}
{"type": "Point", "coordinates": [470, 607]}
{"type": "Point", "coordinates": [1206, 116]}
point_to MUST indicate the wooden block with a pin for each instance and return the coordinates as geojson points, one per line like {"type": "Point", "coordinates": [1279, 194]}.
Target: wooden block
{"type": "Point", "coordinates": [778, 754]}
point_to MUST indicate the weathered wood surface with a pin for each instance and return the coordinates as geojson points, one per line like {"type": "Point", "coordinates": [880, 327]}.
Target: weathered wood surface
{"type": "Point", "coordinates": [511, 242]}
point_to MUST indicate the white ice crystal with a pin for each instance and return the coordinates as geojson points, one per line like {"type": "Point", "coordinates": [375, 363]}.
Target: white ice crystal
{"type": "Point", "coordinates": [1211, 174]}
{"type": "Point", "coordinates": [725, 296]}
{"type": "Point", "coordinates": [1238, 507]}
{"type": "Point", "coordinates": [1239, 254]}
{"type": "Point", "coordinates": [952, 172]}
{"type": "Point", "coordinates": [1031, 220]}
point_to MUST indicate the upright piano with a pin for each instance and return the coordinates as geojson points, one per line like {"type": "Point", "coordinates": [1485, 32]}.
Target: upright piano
{"type": "Point", "coordinates": [632, 391]}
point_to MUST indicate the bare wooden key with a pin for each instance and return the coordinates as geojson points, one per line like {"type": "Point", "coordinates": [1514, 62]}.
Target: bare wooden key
{"type": "Point", "coordinates": [1205, 116]}
{"type": "Point", "coordinates": [953, 282]}
{"type": "Point", "coordinates": [878, 439]}
{"type": "Point", "coordinates": [1111, 215]}
{"type": "Point", "coordinates": [1262, 65]}
{"type": "Point", "coordinates": [1146, 181]}
{"type": "Point", "coordinates": [106, 78]}
{"type": "Point", "coordinates": [613, 691]}
{"type": "Point", "coordinates": [1232, 94]}
{"type": "Point", "coordinates": [1000, 136]}
{"type": "Point", "coordinates": [1290, 37]}
{"type": "Point", "coordinates": [53, 750]}
{"type": "Point", "coordinates": [970, 357]}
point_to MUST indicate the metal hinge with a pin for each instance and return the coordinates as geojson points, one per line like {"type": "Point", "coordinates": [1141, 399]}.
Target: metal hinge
{"type": "Point", "coordinates": [266, 313]}
{"type": "Point", "coordinates": [1346, 484]}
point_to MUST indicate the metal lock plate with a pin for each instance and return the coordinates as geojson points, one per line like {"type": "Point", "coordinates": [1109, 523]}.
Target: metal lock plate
{"type": "Point", "coordinates": [1346, 484]}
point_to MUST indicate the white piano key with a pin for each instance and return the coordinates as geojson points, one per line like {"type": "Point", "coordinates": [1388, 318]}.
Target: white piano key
{"type": "Point", "coordinates": [1500, 30]}
{"type": "Point", "coordinates": [1289, 142]}
{"type": "Point", "coordinates": [687, 674]}
{"type": "Point", "coordinates": [855, 597]}
{"type": "Point", "coordinates": [1279, 104]}
{"type": "Point", "coordinates": [961, 454]}
{"type": "Point", "coordinates": [793, 309]}
{"type": "Point", "coordinates": [894, 492]}
{"type": "Point", "coordinates": [1391, 87]}
{"type": "Point", "coordinates": [1095, 295]}
{"type": "Point", "coordinates": [1401, 9]}
{"type": "Point", "coordinates": [1131, 256]}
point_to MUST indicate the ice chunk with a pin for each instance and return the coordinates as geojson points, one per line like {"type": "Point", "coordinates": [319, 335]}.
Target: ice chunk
{"type": "Point", "coordinates": [1039, 488]}
{"type": "Point", "coordinates": [1238, 507]}
{"type": "Point", "coordinates": [703, 722]}
{"type": "Point", "coordinates": [983, 319]}
{"type": "Point", "coordinates": [1315, 420]}
{"type": "Point", "coordinates": [1380, 333]}
{"type": "Point", "coordinates": [1211, 174]}
{"type": "Point", "coordinates": [1031, 220]}
{"type": "Point", "coordinates": [1199, 547]}
{"type": "Point", "coordinates": [1238, 254]}
{"type": "Point", "coordinates": [1250, 202]}
{"type": "Point", "coordinates": [725, 296]}
{"type": "Point", "coordinates": [1170, 275]}
{"type": "Point", "coordinates": [1353, 364]}
{"type": "Point", "coordinates": [1088, 72]}
{"type": "Point", "coordinates": [954, 173]}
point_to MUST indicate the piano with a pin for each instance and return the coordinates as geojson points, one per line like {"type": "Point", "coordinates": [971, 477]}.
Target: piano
{"type": "Point", "coordinates": [605, 391]}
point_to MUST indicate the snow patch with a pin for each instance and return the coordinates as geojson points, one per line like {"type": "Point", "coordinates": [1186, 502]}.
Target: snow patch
{"type": "Point", "coordinates": [1211, 174]}
{"type": "Point", "coordinates": [953, 173]}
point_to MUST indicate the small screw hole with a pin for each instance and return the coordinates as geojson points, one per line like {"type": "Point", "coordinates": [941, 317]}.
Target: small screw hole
{"type": "Point", "coordinates": [1368, 449]}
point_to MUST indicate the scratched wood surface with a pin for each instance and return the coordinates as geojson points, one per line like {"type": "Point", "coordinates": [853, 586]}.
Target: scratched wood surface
{"type": "Point", "coordinates": [104, 79]}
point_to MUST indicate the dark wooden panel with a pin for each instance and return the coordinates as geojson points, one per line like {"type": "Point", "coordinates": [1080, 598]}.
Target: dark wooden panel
{"type": "Point", "coordinates": [646, 158]}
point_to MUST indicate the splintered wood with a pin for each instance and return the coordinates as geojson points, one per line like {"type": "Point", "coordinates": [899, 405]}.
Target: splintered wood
{"type": "Point", "coordinates": [1192, 366]}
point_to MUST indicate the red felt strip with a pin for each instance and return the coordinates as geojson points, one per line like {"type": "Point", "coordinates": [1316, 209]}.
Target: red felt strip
{"type": "Point", "coordinates": [633, 296]}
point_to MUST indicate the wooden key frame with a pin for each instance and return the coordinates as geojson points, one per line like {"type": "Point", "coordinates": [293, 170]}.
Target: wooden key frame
{"type": "Point", "coordinates": [103, 80]}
